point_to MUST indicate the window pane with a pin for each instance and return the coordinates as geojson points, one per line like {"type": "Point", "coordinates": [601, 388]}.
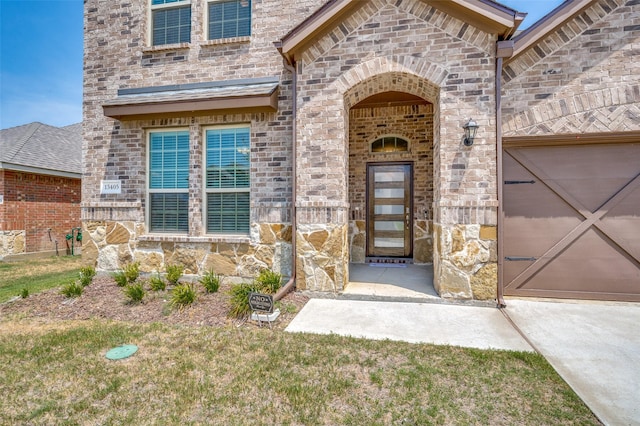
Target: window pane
{"type": "Point", "coordinates": [169, 212]}
{"type": "Point", "coordinates": [390, 144]}
{"type": "Point", "coordinates": [172, 25]}
{"type": "Point", "coordinates": [227, 162]}
{"type": "Point", "coordinates": [228, 19]}
{"type": "Point", "coordinates": [228, 212]}
{"type": "Point", "coordinates": [388, 209]}
{"type": "Point", "coordinates": [169, 160]}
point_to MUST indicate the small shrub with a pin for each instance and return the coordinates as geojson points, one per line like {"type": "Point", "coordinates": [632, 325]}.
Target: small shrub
{"type": "Point", "coordinates": [174, 272]}
{"type": "Point", "coordinates": [120, 278]}
{"type": "Point", "coordinates": [157, 283]}
{"type": "Point", "coordinates": [268, 281]}
{"type": "Point", "coordinates": [24, 293]}
{"type": "Point", "coordinates": [73, 289]}
{"type": "Point", "coordinates": [183, 295]}
{"type": "Point", "coordinates": [132, 271]}
{"type": "Point", "coordinates": [240, 299]}
{"type": "Point", "coordinates": [211, 281]}
{"type": "Point", "coordinates": [135, 292]}
{"type": "Point", "coordinates": [86, 275]}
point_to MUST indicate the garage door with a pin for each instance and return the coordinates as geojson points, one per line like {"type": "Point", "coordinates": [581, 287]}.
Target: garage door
{"type": "Point", "coordinates": [572, 221]}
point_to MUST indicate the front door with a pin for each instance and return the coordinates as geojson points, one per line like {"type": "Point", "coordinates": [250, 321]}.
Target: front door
{"type": "Point", "coordinates": [389, 210]}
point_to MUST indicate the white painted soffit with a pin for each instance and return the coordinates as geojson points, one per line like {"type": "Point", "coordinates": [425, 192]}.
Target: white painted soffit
{"type": "Point", "coordinates": [39, 170]}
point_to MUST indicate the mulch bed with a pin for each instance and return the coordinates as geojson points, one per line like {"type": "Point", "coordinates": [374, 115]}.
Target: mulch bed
{"type": "Point", "coordinates": [103, 299]}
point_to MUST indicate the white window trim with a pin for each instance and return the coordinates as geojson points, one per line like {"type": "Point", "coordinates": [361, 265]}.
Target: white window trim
{"type": "Point", "coordinates": [206, 191]}
{"type": "Point", "coordinates": [152, 8]}
{"type": "Point", "coordinates": [149, 191]}
{"type": "Point", "coordinates": [223, 40]}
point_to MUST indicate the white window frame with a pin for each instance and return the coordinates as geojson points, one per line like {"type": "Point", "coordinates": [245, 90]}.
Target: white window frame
{"type": "Point", "coordinates": [206, 191]}
{"type": "Point", "coordinates": [150, 191]}
{"type": "Point", "coordinates": [155, 7]}
{"type": "Point", "coordinates": [208, 18]}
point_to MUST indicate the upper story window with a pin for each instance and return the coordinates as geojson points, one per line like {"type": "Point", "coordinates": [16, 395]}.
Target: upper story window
{"type": "Point", "coordinates": [169, 181]}
{"type": "Point", "coordinates": [171, 21]}
{"type": "Point", "coordinates": [229, 19]}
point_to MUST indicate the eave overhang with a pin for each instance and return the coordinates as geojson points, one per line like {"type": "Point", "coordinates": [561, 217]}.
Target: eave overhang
{"type": "Point", "coordinates": [217, 97]}
{"type": "Point", "coordinates": [39, 170]}
{"type": "Point", "coordinates": [547, 24]}
{"type": "Point", "coordinates": [483, 14]}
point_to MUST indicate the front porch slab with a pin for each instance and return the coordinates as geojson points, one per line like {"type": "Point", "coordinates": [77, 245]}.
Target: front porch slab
{"type": "Point", "coordinates": [391, 280]}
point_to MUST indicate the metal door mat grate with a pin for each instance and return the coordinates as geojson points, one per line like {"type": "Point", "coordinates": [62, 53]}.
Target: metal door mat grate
{"type": "Point", "coordinates": [389, 260]}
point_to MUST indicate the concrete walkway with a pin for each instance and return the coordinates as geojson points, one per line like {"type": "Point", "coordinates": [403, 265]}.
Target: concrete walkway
{"type": "Point", "coordinates": [440, 324]}
{"type": "Point", "coordinates": [594, 346]}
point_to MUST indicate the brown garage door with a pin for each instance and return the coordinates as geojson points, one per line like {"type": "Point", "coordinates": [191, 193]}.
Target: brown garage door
{"type": "Point", "coordinates": [572, 221]}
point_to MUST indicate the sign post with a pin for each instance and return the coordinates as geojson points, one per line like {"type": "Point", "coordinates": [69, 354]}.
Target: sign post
{"type": "Point", "coordinates": [262, 308]}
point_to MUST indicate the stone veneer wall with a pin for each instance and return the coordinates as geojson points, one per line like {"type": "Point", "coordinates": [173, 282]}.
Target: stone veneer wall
{"type": "Point", "coordinates": [12, 242]}
{"type": "Point", "coordinates": [415, 124]}
{"type": "Point", "coordinates": [581, 78]}
{"type": "Point", "coordinates": [116, 243]}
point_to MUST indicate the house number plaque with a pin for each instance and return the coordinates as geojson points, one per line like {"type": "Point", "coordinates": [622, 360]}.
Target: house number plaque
{"type": "Point", "coordinates": [110, 187]}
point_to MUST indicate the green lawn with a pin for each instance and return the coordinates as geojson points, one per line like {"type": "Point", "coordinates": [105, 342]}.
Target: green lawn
{"type": "Point", "coordinates": [36, 275]}
{"type": "Point", "coordinates": [56, 373]}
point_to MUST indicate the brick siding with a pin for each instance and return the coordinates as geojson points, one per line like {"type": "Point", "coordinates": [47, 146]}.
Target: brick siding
{"type": "Point", "coordinates": [581, 78]}
{"type": "Point", "coordinates": [36, 203]}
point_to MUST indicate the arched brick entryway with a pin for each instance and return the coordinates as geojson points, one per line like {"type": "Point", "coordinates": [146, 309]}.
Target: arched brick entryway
{"type": "Point", "coordinates": [399, 104]}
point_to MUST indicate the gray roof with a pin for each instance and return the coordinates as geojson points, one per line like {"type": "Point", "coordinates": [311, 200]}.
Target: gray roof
{"type": "Point", "coordinates": [41, 148]}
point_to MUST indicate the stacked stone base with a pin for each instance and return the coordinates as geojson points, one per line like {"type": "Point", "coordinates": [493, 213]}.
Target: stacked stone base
{"type": "Point", "coordinates": [464, 256]}
{"type": "Point", "coordinates": [112, 245]}
{"type": "Point", "coordinates": [466, 266]}
{"type": "Point", "coordinates": [12, 243]}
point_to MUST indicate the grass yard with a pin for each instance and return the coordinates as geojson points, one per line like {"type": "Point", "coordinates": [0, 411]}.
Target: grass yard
{"type": "Point", "coordinates": [37, 275]}
{"type": "Point", "coordinates": [55, 372]}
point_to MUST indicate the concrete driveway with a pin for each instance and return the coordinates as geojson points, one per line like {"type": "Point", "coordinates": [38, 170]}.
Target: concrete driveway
{"type": "Point", "coordinates": [594, 346]}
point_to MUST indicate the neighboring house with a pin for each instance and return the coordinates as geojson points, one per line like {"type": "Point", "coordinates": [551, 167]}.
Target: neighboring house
{"type": "Point", "coordinates": [40, 187]}
{"type": "Point", "coordinates": [240, 135]}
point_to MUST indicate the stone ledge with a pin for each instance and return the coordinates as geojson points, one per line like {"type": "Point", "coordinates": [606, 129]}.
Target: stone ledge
{"type": "Point", "coordinates": [230, 40]}
{"type": "Point", "coordinates": [165, 47]}
{"type": "Point", "coordinates": [112, 205]}
{"type": "Point", "coordinates": [195, 239]}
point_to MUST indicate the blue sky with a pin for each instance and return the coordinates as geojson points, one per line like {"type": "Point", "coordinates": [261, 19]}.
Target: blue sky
{"type": "Point", "coordinates": [41, 58]}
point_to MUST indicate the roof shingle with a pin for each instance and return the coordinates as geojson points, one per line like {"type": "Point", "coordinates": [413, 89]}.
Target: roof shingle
{"type": "Point", "coordinates": [40, 146]}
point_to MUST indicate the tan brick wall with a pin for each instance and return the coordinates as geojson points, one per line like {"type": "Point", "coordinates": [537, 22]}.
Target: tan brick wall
{"type": "Point", "coordinates": [118, 56]}
{"type": "Point", "coordinates": [581, 78]}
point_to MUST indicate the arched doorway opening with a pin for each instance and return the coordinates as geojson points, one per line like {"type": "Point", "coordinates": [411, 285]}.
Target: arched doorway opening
{"type": "Point", "coordinates": [392, 138]}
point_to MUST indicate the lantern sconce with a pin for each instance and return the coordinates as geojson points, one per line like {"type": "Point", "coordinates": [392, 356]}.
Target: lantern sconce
{"type": "Point", "coordinates": [470, 130]}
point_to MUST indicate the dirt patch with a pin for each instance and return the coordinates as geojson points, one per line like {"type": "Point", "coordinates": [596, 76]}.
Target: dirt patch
{"type": "Point", "coordinates": [105, 300]}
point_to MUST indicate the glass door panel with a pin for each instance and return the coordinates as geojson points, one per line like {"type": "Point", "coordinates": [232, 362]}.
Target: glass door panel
{"type": "Point", "coordinates": [389, 212]}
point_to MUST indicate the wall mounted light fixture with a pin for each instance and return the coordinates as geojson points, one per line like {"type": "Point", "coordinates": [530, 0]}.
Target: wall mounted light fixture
{"type": "Point", "coordinates": [470, 130]}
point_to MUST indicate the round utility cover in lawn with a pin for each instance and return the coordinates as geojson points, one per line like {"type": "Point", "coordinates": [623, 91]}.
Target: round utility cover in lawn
{"type": "Point", "coordinates": [124, 351]}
